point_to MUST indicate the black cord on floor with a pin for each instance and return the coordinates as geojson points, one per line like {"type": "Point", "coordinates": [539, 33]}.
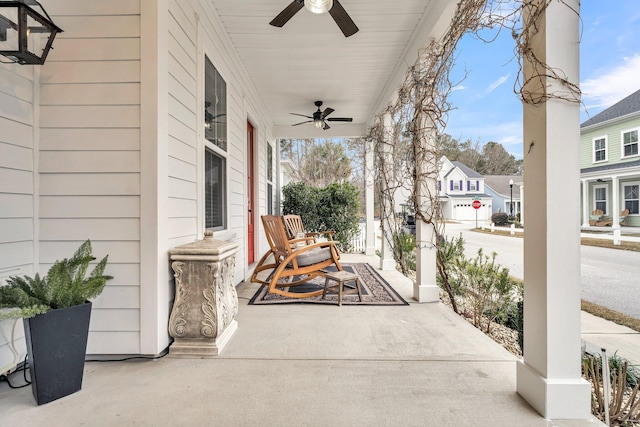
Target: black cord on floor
{"type": "Point", "coordinates": [160, 356]}
{"type": "Point", "coordinates": [23, 368]}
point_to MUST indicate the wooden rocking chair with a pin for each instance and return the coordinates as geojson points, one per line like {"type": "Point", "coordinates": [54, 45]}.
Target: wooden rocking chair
{"type": "Point", "coordinates": [295, 229]}
{"type": "Point", "coordinates": [291, 265]}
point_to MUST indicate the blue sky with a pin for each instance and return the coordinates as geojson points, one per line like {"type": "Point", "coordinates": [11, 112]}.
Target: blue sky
{"type": "Point", "coordinates": [487, 108]}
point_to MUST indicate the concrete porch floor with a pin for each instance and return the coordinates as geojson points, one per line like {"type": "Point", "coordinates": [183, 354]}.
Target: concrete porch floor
{"type": "Point", "coordinates": [307, 365]}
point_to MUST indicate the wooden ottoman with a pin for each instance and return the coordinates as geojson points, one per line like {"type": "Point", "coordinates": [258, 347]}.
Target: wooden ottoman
{"type": "Point", "coordinates": [341, 278]}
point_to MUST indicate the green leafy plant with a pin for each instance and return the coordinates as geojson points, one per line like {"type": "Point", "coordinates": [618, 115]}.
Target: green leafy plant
{"type": "Point", "coordinates": [66, 284]}
{"type": "Point", "coordinates": [450, 261]}
{"type": "Point", "coordinates": [334, 207]}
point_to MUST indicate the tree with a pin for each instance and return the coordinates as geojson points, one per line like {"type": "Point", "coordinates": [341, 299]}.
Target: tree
{"type": "Point", "coordinates": [497, 161]}
{"type": "Point", "coordinates": [325, 164]}
{"type": "Point", "coordinates": [490, 159]}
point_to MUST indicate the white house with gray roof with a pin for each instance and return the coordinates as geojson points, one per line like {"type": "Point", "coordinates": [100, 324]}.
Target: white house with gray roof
{"type": "Point", "coordinates": [458, 187]}
{"type": "Point", "coordinates": [610, 163]}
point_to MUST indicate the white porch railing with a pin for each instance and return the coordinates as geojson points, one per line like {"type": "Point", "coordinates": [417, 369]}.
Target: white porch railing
{"type": "Point", "coordinates": [359, 241]}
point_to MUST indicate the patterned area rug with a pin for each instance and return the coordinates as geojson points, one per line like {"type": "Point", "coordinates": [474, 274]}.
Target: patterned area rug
{"type": "Point", "coordinates": [375, 290]}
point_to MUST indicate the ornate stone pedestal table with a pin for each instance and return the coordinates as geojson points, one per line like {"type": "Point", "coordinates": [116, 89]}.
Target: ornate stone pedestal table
{"type": "Point", "coordinates": [206, 303]}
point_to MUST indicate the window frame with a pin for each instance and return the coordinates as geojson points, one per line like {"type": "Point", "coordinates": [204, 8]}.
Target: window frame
{"type": "Point", "coordinates": [606, 197]}
{"type": "Point", "coordinates": [472, 185]}
{"type": "Point", "coordinates": [637, 143]}
{"type": "Point", "coordinates": [270, 177]}
{"type": "Point", "coordinates": [213, 148]}
{"type": "Point", "coordinates": [624, 195]}
{"type": "Point", "coordinates": [605, 149]}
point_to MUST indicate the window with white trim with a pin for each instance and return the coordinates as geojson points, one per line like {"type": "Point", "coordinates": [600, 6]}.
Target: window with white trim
{"type": "Point", "coordinates": [215, 153]}
{"type": "Point", "coordinates": [600, 149]}
{"type": "Point", "coordinates": [630, 143]}
{"type": "Point", "coordinates": [472, 186]}
{"type": "Point", "coordinates": [600, 198]}
{"type": "Point", "coordinates": [632, 197]}
{"type": "Point", "coordinates": [456, 185]}
{"type": "Point", "coordinates": [269, 179]}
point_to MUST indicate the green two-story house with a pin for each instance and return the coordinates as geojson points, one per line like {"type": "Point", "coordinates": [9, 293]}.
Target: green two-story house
{"type": "Point", "coordinates": [610, 165]}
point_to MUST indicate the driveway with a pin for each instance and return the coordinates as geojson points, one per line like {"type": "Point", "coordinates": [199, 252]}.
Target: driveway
{"type": "Point", "coordinates": [610, 277]}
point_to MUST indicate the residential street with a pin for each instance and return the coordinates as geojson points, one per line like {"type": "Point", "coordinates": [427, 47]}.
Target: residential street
{"type": "Point", "coordinates": [610, 277]}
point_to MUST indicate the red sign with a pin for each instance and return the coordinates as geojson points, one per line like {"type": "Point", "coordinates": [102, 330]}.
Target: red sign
{"type": "Point", "coordinates": [477, 204]}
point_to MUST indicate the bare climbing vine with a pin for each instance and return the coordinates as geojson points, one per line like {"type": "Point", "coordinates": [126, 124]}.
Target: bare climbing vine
{"type": "Point", "coordinates": [405, 136]}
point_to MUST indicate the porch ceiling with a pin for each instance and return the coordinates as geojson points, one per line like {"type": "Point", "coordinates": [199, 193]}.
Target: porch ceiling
{"type": "Point", "coordinates": [309, 58]}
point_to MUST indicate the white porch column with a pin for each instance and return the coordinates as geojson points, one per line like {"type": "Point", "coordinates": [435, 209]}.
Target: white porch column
{"type": "Point", "coordinates": [370, 237]}
{"type": "Point", "coordinates": [585, 202]}
{"type": "Point", "coordinates": [425, 288]}
{"type": "Point", "coordinates": [615, 201]}
{"type": "Point", "coordinates": [549, 376]}
{"type": "Point", "coordinates": [387, 262]}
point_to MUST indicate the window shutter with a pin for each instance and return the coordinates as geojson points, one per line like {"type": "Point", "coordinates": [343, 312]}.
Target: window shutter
{"type": "Point", "coordinates": [477, 185]}
{"type": "Point", "coordinates": [451, 185]}
{"type": "Point", "coordinates": [461, 187]}
{"type": "Point", "coordinates": [468, 185]}
{"type": "Point", "coordinates": [439, 185]}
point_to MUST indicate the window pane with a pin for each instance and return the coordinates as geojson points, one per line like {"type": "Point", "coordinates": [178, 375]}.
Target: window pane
{"type": "Point", "coordinates": [214, 190]}
{"type": "Point", "coordinates": [269, 162]}
{"type": "Point", "coordinates": [632, 205]}
{"type": "Point", "coordinates": [269, 199]}
{"type": "Point", "coordinates": [631, 198]}
{"type": "Point", "coordinates": [602, 206]}
{"type": "Point", "coordinates": [215, 106]}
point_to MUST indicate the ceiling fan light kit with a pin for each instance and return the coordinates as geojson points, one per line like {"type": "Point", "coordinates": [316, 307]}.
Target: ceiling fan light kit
{"type": "Point", "coordinates": [319, 117]}
{"type": "Point", "coordinates": [318, 6]}
{"type": "Point", "coordinates": [335, 9]}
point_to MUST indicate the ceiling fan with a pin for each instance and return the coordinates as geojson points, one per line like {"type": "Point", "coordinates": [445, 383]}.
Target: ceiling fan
{"type": "Point", "coordinates": [335, 9]}
{"type": "Point", "coordinates": [319, 118]}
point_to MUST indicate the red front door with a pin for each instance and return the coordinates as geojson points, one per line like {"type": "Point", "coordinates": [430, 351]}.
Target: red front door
{"type": "Point", "coordinates": [250, 171]}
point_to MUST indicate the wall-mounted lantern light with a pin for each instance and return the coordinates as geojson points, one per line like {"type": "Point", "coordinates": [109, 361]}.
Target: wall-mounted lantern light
{"type": "Point", "coordinates": [26, 31]}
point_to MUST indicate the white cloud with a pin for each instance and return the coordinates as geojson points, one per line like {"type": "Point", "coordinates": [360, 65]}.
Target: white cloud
{"type": "Point", "coordinates": [605, 90]}
{"type": "Point", "coordinates": [494, 85]}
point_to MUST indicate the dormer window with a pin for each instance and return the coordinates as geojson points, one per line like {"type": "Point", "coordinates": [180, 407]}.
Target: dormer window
{"type": "Point", "coordinates": [456, 185]}
{"type": "Point", "coordinates": [473, 185]}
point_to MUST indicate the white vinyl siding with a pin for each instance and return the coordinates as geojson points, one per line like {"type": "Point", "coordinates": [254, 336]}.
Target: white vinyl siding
{"type": "Point", "coordinates": [85, 172]}
{"type": "Point", "coordinates": [89, 158]}
{"type": "Point", "coordinates": [17, 186]}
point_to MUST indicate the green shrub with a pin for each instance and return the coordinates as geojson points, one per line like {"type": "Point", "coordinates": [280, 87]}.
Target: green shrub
{"type": "Point", "coordinates": [66, 284]}
{"type": "Point", "coordinates": [449, 260]}
{"type": "Point", "coordinates": [406, 243]}
{"type": "Point", "coordinates": [500, 218]}
{"type": "Point", "coordinates": [334, 207]}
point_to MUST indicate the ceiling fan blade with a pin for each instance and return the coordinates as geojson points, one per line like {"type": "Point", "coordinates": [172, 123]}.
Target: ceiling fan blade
{"type": "Point", "coordinates": [301, 123]}
{"type": "Point", "coordinates": [288, 12]}
{"type": "Point", "coordinates": [340, 119]}
{"type": "Point", "coordinates": [325, 125]}
{"type": "Point", "coordinates": [326, 112]}
{"type": "Point", "coordinates": [342, 18]}
{"type": "Point", "coordinates": [302, 115]}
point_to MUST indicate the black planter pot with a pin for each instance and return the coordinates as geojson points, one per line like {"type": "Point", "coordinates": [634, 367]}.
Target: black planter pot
{"type": "Point", "coordinates": [57, 345]}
